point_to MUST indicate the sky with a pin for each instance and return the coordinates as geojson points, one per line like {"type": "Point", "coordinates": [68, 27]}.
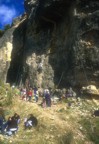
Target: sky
{"type": "Point", "coordinates": [10, 9]}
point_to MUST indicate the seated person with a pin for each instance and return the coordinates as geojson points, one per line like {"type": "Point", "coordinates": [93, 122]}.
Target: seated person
{"type": "Point", "coordinates": [16, 117]}
{"type": "Point", "coordinates": [30, 122]}
{"type": "Point", "coordinates": [2, 124]}
{"type": "Point", "coordinates": [11, 126]}
{"type": "Point", "coordinates": [95, 113]}
{"type": "Point", "coordinates": [69, 92]}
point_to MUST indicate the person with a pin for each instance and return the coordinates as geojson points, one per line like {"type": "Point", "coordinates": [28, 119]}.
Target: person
{"type": "Point", "coordinates": [17, 118]}
{"type": "Point", "coordinates": [36, 94]}
{"type": "Point", "coordinates": [43, 104]}
{"type": "Point", "coordinates": [95, 113]}
{"type": "Point", "coordinates": [30, 93]}
{"type": "Point", "coordinates": [40, 66]}
{"type": "Point", "coordinates": [11, 126]}
{"type": "Point", "coordinates": [30, 122]}
{"type": "Point", "coordinates": [2, 121]}
{"type": "Point", "coordinates": [21, 92]}
{"type": "Point", "coordinates": [70, 91]}
{"type": "Point", "coordinates": [1, 124]}
{"type": "Point", "coordinates": [24, 97]}
{"type": "Point", "coordinates": [47, 97]}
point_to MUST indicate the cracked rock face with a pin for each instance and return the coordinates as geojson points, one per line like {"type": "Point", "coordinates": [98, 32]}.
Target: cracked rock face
{"type": "Point", "coordinates": [63, 37]}
{"type": "Point", "coordinates": [6, 47]}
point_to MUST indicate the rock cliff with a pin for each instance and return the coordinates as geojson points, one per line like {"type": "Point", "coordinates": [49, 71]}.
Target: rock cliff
{"type": "Point", "coordinates": [55, 44]}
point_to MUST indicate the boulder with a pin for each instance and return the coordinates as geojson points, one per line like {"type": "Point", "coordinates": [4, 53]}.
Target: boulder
{"type": "Point", "coordinates": [91, 89]}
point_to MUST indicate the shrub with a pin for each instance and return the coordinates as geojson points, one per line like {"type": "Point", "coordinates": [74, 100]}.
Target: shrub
{"type": "Point", "coordinates": [6, 94]}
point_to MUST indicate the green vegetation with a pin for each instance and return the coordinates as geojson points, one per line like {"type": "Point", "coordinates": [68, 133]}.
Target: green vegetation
{"type": "Point", "coordinates": [6, 94]}
{"type": "Point", "coordinates": [6, 27]}
{"type": "Point", "coordinates": [91, 129]}
{"type": "Point", "coordinates": [2, 31]}
{"type": "Point", "coordinates": [67, 139]}
{"type": "Point", "coordinates": [56, 125]}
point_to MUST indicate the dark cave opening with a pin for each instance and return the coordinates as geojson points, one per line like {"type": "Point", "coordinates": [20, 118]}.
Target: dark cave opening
{"type": "Point", "coordinates": [15, 71]}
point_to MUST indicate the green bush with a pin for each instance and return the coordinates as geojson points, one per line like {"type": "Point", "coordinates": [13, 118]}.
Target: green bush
{"type": "Point", "coordinates": [6, 27]}
{"type": "Point", "coordinates": [6, 94]}
{"type": "Point", "coordinates": [1, 33]}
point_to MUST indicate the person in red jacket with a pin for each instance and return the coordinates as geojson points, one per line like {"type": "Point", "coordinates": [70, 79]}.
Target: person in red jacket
{"type": "Point", "coordinates": [30, 93]}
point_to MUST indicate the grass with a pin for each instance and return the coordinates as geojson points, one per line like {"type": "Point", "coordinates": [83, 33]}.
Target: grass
{"type": "Point", "coordinates": [56, 125]}
{"type": "Point", "coordinates": [67, 138]}
{"type": "Point", "coordinates": [6, 94]}
{"type": "Point", "coordinates": [91, 129]}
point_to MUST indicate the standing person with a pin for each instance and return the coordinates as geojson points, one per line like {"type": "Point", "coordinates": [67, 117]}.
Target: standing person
{"type": "Point", "coordinates": [43, 104]}
{"type": "Point", "coordinates": [47, 98]}
{"type": "Point", "coordinates": [30, 93]}
{"type": "Point", "coordinates": [24, 97]}
{"type": "Point", "coordinates": [21, 92]}
{"type": "Point", "coordinates": [36, 94]}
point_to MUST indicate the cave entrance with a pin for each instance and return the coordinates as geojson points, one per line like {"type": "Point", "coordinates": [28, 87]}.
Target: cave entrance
{"type": "Point", "coordinates": [15, 71]}
{"type": "Point", "coordinates": [14, 75]}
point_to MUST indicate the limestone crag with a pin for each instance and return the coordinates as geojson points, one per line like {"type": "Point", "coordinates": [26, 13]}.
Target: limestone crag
{"type": "Point", "coordinates": [60, 35]}
{"type": "Point", "coordinates": [6, 45]}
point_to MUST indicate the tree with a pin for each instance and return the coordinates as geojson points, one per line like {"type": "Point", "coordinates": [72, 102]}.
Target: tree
{"type": "Point", "coordinates": [1, 33]}
{"type": "Point", "coordinates": [6, 27]}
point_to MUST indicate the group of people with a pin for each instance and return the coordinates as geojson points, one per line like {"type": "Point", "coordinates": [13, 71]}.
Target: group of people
{"type": "Point", "coordinates": [11, 126]}
{"type": "Point", "coordinates": [29, 94]}
{"type": "Point", "coordinates": [70, 93]}
{"type": "Point", "coordinates": [46, 95]}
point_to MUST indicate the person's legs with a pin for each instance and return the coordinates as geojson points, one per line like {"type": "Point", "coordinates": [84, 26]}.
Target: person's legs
{"type": "Point", "coordinates": [36, 98]}
{"type": "Point", "coordinates": [29, 98]}
{"type": "Point", "coordinates": [2, 129]}
{"type": "Point", "coordinates": [9, 133]}
{"type": "Point", "coordinates": [28, 124]}
{"type": "Point", "coordinates": [49, 102]}
{"type": "Point", "coordinates": [13, 130]}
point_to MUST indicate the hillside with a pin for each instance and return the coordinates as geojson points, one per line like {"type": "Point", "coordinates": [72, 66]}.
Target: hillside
{"type": "Point", "coordinates": [62, 35]}
{"type": "Point", "coordinates": [59, 124]}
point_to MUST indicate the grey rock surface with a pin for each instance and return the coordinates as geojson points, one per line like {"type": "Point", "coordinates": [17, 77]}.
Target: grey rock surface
{"type": "Point", "coordinates": [60, 35]}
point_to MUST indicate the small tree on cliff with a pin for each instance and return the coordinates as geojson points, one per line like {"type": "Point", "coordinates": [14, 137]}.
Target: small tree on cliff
{"type": "Point", "coordinates": [1, 33]}
{"type": "Point", "coordinates": [6, 27]}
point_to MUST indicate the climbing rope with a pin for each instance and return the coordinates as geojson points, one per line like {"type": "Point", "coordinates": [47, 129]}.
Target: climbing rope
{"type": "Point", "coordinates": [58, 83]}
{"type": "Point", "coordinates": [60, 78]}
